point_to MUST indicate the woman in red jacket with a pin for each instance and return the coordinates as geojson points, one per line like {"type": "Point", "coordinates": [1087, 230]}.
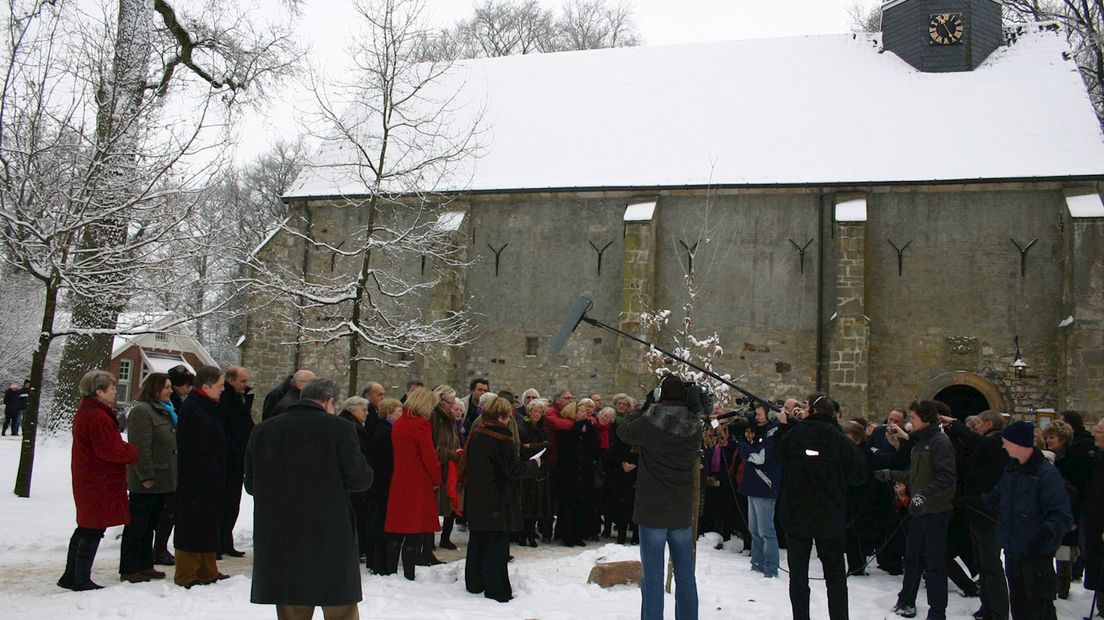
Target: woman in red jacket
{"type": "Point", "coordinates": [100, 457]}
{"type": "Point", "coordinates": [412, 500]}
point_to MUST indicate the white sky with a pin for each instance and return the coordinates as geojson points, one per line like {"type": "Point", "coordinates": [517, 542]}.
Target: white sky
{"type": "Point", "coordinates": [325, 26]}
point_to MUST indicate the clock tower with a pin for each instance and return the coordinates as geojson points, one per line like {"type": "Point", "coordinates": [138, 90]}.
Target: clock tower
{"type": "Point", "coordinates": [942, 35]}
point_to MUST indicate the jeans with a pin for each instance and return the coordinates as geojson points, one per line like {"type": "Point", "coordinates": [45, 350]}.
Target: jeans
{"type": "Point", "coordinates": [927, 537]}
{"type": "Point", "coordinates": [764, 542]}
{"type": "Point", "coordinates": [652, 542]}
{"type": "Point", "coordinates": [830, 551]}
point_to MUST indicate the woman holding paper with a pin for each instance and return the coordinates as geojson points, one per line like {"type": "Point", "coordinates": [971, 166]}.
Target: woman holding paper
{"type": "Point", "coordinates": [491, 468]}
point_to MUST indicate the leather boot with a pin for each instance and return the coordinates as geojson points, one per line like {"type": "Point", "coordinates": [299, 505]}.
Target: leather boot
{"type": "Point", "coordinates": [66, 580]}
{"type": "Point", "coordinates": [621, 537]}
{"type": "Point", "coordinates": [427, 557]}
{"type": "Point", "coordinates": [409, 560]}
{"type": "Point", "coordinates": [82, 569]}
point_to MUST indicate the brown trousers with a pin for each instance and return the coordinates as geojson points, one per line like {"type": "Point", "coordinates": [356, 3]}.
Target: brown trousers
{"type": "Point", "coordinates": [306, 612]}
{"type": "Point", "coordinates": [195, 568]}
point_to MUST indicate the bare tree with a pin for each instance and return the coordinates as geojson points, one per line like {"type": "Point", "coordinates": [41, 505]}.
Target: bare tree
{"type": "Point", "coordinates": [154, 49]}
{"type": "Point", "coordinates": [511, 27]}
{"type": "Point", "coordinates": [97, 178]}
{"type": "Point", "coordinates": [865, 18]}
{"type": "Point", "coordinates": [396, 123]}
{"type": "Point", "coordinates": [596, 24]}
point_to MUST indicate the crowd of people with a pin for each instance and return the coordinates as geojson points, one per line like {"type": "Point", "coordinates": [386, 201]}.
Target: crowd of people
{"type": "Point", "coordinates": [391, 479]}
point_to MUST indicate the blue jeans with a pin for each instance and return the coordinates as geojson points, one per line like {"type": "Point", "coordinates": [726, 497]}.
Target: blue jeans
{"type": "Point", "coordinates": [652, 542]}
{"type": "Point", "coordinates": [926, 554]}
{"type": "Point", "coordinates": [764, 542]}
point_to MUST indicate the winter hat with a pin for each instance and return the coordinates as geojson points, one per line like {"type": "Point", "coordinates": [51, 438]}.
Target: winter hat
{"type": "Point", "coordinates": [671, 388]}
{"type": "Point", "coordinates": [180, 375]}
{"type": "Point", "coordinates": [1020, 433]}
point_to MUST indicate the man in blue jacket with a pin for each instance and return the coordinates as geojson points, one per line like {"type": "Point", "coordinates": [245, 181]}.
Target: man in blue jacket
{"type": "Point", "coordinates": [1033, 514]}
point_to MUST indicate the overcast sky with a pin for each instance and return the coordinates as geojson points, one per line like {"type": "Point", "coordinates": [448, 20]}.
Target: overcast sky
{"type": "Point", "coordinates": [325, 26]}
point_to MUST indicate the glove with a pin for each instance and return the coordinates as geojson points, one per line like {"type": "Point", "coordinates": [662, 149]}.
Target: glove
{"type": "Point", "coordinates": [882, 474]}
{"type": "Point", "coordinates": [1041, 541]}
{"type": "Point", "coordinates": [916, 505]}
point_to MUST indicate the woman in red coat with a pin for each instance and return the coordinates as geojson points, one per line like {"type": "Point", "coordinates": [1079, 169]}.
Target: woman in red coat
{"type": "Point", "coordinates": [412, 500]}
{"type": "Point", "coordinates": [100, 457]}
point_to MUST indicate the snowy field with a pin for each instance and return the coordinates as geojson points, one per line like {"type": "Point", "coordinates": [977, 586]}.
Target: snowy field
{"type": "Point", "coordinates": [549, 582]}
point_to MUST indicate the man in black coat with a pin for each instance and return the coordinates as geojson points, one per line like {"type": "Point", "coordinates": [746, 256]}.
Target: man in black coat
{"type": "Point", "coordinates": [291, 395]}
{"type": "Point", "coordinates": [983, 465]}
{"type": "Point", "coordinates": [819, 464]}
{"type": "Point", "coordinates": [305, 549]}
{"type": "Point", "coordinates": [201, 481]}
{"type": "Point", "coordinates": [236, 411]}
{"type": "Point", "coordinates": [382, 460]}
{"type": "Point", "coordinates": [1092, 521]}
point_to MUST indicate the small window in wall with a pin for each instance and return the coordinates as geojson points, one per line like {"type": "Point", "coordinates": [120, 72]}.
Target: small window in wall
{"type": "Point", "coordinates": [125, 370]}
{"type": "Point", "coordinates": [531, 345]}
{"type": "Point", "coordinates": [1085, 205]}
{"type": "Point", "coordinates": [850, 208]}
{"type": "Point", "coordinates": [161, 337]}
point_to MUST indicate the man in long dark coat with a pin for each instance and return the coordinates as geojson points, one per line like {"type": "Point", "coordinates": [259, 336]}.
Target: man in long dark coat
{"type": "Point", "coordinates": [291, 570]}
{"type": "Point", "coordinates": [201, 484]}
{"type": "Point", "coordinates": [236, 411]}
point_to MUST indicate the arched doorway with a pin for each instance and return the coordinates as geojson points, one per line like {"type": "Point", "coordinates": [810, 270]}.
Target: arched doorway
{"type": "Point", "coordinates": [966, 393]}
{"type": "Point", "coordinates": [964, 400]}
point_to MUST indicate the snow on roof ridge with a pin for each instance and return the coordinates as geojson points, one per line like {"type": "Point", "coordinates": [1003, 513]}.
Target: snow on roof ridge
{"type": "Point", "coordinates": [761, 112]}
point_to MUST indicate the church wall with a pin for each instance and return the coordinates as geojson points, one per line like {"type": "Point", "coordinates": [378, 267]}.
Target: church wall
{"type": "Point", "coordinates": [960, 299]}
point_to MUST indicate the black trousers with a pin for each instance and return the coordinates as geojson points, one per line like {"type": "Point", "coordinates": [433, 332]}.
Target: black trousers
{"type": "Point", "coordinates": [830, 551]}
{"type": "Point", "coordinates": [165, 524]}
{"type": "Point", "coordinates": [136, 554]}
{"type": "Point", "coordinates": [11, 418]}
{"type": "Point", "coordinates": [926, 554]}
{"type": "Point", "coordinates": [1032, 587]}
{"type": "Point", "coordinates": [485, 567]}
{"type": "Point", "coordinates": [987, 557]}
{"type": "Point", "coordinates": [231, 506]}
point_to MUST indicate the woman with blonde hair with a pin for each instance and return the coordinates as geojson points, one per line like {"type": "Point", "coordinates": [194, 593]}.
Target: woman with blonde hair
{"type": "Point", "coordinates": [1076, 469]}
{"type": "Point", "coordinates": [447, 441]}
{"type": "Point", "coordinates": [536, 497]}
{"type": "Point", "coordinates": [412, 499]}
{"type": "Point", "coordinates": [577, 449]}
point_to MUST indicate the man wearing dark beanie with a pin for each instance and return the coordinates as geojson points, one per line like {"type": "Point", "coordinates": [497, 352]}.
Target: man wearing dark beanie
{"type": "Point", "coordinates": [1033, 512]}
{"type": "Point", "coordinates": [669, 436]}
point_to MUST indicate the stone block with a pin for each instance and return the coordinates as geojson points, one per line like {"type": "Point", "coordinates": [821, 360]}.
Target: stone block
{"type": "Point", "coordinates": [609, 574]}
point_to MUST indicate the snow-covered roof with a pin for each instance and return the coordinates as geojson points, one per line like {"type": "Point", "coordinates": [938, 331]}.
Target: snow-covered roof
{"type": "Point", "coordinates": [793, 111]}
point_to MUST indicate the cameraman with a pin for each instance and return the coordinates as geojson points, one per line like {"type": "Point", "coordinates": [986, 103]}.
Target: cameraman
{"type": "Point", "coordinates": [668, 434]}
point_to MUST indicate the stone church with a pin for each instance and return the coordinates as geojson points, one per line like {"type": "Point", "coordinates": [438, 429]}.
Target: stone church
{"type": "Point", "coordinates": [909, 214]}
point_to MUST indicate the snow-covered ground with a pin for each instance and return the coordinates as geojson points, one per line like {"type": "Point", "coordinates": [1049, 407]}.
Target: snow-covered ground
{"type": "Point", "coordinates": [549, 582]}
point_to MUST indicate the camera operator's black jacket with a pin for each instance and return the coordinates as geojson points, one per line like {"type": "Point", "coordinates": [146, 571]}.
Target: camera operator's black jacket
{"type": "Point", "coordinates": [819, 462]}
{"type": "Point", "coordinates": [669, 436]}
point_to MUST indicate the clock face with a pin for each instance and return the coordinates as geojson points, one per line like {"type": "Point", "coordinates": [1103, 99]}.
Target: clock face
{"type": "Point", "coordinates": [946, 29]}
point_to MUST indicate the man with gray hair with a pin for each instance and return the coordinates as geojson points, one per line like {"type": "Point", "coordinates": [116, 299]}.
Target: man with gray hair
{"type": "Point", "coordinates": [290, 570]}
{"type": "Point", "coordinates": [294, 392]}
{"type": "Point", "coordinates": [984, 461]}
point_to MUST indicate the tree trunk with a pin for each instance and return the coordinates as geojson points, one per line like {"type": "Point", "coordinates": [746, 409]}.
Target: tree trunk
{"type": "Point", "coordinates": [119, 102]}
{"type": "Point", "coordinates": [362, 285]}
{"type": "Point", "coordinates": [30, 416]}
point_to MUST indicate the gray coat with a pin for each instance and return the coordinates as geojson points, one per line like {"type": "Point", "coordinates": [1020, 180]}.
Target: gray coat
{"type": "Point", "coordinates": [150, 428]}
{"type": "Point", "coordinates": [300, 468]}
{"type": "Point", "coordinates": [669, 436]}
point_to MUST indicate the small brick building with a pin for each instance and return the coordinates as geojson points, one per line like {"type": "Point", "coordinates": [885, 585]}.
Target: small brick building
{"type": "Point", "coordinates": [136, 356]}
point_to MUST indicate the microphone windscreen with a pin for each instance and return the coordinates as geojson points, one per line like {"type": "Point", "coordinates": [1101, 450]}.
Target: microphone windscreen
{"type": "Point", "coordinates": [571, 321]}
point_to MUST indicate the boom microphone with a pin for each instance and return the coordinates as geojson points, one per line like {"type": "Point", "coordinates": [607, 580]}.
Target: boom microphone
{"type": "Point", "coordinates": [571, 321]}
